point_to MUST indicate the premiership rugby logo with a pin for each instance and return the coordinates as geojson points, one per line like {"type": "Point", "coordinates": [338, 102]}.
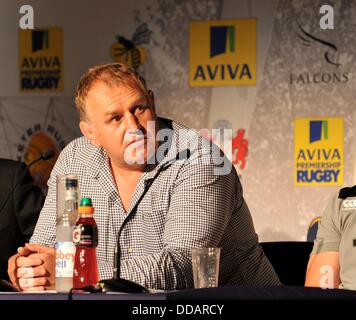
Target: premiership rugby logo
{"type": "Point", "coordinates": [41, 60]}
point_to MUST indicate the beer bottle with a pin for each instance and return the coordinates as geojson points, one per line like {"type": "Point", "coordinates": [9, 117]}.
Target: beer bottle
{"type": "Point", "coordinates": [66, 219]}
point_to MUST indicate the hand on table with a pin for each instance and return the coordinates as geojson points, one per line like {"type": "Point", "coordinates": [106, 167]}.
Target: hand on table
{"type": "Point", "coordinates": [33, 268]}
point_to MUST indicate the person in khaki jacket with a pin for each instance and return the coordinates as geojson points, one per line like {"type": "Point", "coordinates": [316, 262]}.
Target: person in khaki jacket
{"type": "Point", "coordinates": [332, 262]}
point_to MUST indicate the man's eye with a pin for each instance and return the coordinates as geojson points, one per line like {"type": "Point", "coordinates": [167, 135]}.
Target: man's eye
{"type": "Point", "coordinates": [140, 109]}
{"type": "Point", "coordinates": [115, 119]}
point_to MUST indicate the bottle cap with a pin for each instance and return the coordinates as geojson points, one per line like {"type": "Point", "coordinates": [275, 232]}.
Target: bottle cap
{"type": "Point", "coordinates": [86, 206]}
{"type": "Point", "coordinates": [86, 202]}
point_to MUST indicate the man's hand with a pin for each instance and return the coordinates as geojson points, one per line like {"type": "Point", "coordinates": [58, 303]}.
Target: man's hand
{"type": "Point", "coordinates": [33, 268]}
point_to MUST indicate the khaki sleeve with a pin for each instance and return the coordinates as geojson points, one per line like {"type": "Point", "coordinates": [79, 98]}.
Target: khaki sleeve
{"type": "Point", "coordinates": [329, 234]}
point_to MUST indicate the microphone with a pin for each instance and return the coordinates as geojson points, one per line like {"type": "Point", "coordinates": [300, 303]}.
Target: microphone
{"type": "Point", "coordinates": [44, 156]}
{"type": "Point", "coordinates": [48, 154]}
{"type": "Point", "coordinates": [124, 285]}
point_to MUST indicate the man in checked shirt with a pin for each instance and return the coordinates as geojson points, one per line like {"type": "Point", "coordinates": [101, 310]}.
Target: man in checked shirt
{"type": "Point", "coordinates": [154, 183]}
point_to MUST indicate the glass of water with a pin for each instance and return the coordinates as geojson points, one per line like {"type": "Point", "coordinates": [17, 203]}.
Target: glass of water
{"type": "Point", "coordinates": [206, 263]}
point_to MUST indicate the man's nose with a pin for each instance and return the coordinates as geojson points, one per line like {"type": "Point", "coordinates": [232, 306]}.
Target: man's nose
{"type": "Point", "coordinates": [133, 125]}
{"type": "Point", "coordinates": [132, 122]}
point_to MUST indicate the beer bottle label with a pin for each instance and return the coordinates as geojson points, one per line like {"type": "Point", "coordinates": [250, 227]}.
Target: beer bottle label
{"type": "Point", "coordinates": [65, 253]}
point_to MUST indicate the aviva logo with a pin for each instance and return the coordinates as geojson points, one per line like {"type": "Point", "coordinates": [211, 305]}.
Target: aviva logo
{"type": "Point", "coordinates": [222, 39]}
{"type": "Point", "coordinates": [40, 40]}
{"type": "Point", "coordinates": [318, 130]}
{"type": "Point", "coordinates": [41, 60]}
{"type": "Point", "coordinates": [319, 151]}
{"type": "Point", "coordinates": [222, 52]}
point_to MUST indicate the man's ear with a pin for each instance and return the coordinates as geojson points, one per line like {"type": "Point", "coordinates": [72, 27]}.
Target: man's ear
{"type": "Point", "coordinates": [89, 132]}
{"type": "Point", "coordinates": [152, 100]}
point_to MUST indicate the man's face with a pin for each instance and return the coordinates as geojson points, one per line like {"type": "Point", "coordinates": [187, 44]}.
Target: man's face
{"type": "Point", "coordinates": [121, 119]}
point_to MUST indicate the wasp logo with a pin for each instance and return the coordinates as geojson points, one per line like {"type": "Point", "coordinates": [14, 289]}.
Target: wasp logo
{"type": "Point", "coordinates": [130, 52]}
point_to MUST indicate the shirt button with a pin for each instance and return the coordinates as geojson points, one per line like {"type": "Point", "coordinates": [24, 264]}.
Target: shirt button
{"type": "Point", "coordinates": [130, 250]}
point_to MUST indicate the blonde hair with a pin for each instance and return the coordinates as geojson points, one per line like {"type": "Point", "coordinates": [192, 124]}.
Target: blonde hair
{"type": "Point", "coordinates": [112, 74]}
